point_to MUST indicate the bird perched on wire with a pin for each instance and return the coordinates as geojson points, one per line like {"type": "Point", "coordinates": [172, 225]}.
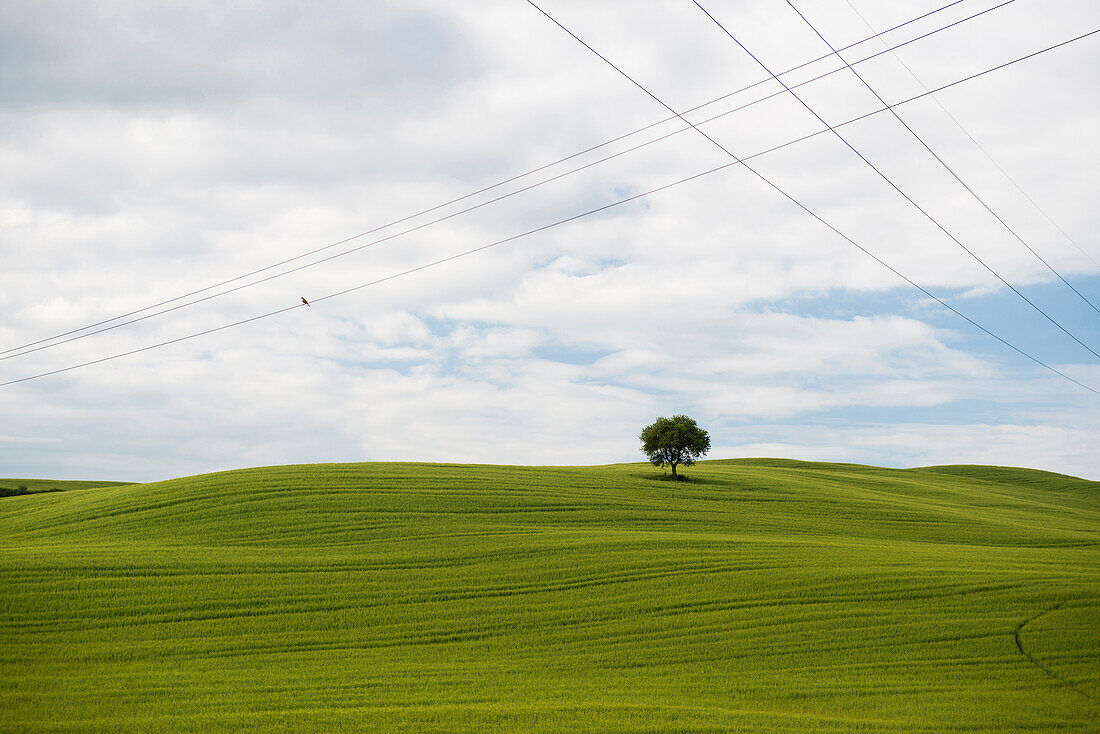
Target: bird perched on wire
{"type": "Point", "coordinates": [305, 301]}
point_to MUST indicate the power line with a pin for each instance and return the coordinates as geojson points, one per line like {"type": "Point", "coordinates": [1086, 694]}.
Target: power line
{"type": "Point", "coordinates": [477, 192]}
{"type": "Point", "coordinates": [29, 349]}
{"type": "Point", "coordinates": [986, 153]}
{"type": "Point", "coordinates": [941, 161]}
{"type": "Point", "coordinates": [618, 203]}
{"type": "Point", "coordinates": [803, 206]}
{"type": "Point", "coordinates": [898, 189]}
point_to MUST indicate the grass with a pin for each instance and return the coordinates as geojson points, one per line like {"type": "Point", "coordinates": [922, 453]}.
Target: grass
{"type": "Point", "coordinates": [761, 596]}
{"type": "Point", "coordinates": [13, 487]}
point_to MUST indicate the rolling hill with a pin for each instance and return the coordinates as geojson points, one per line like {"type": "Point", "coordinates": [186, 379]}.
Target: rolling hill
{"type": "Point", "coordinates": [760, 596]}
{"type": "Point", "coordinates": [9, 487]}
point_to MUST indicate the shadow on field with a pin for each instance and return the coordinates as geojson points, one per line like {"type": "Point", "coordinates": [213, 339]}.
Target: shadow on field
{"type": "Point", "coordinates": [681, 480]}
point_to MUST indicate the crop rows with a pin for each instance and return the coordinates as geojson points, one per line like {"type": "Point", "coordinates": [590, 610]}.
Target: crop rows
{"type": "Point", "coordinates": [760, 596]}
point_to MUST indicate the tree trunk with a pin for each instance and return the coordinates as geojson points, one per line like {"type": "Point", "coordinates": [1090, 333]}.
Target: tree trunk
{"type": "Point", "coordinates": [673, 465]}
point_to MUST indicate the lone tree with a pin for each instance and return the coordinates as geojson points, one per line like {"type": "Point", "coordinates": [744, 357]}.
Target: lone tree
{"type": "Point", "coordinates": [674, 441]}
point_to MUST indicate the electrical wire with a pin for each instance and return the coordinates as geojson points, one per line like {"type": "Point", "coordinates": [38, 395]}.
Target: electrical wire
{"type": "Point", "coordinates": [619, 203]}
{"type": "Point", "coordinates": [387, 238]}
{"type": "Point", "coordinates": [986, 153]}
{"type": "Point", "coordinates": [899, 190]}
{"type": "Point", "coordinates": [24, 348]}
{"type": "Point", "coordinates": [941, 161]}
{"type": "Point", "coordinates": [802, 206]}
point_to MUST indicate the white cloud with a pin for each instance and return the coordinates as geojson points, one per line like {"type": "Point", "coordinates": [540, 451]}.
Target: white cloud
{"type": "Point", "coordinates": [717, 297]}
{"type": "Point", "coordinates": [1068, 446]}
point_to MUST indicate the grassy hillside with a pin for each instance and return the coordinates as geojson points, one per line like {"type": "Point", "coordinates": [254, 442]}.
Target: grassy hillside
{"type": "Point", "coordinates": [9, 487]}
{"type": "Point", "coordinates": [762, 596]}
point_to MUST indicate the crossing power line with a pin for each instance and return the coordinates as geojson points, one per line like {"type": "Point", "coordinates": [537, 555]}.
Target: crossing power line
{"type": "Point", "coordinates": [901, 192]}
{"type": "Point", "coordinates": [734, 162]}
{"type": "Point", "coordinates": [92, 330]}
{"type": "Point", "coordinates": [802, 206]}
{"type": "Point", "coordinates": [941, 161]}
{"type": "Point", "coordinates": [978, 145]}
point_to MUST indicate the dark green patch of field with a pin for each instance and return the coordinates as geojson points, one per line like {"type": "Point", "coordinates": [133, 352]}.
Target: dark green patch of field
{"type": "Point", "coordinates": [13, 487]}
{"type": "Point", "coordinates": [761, 596]}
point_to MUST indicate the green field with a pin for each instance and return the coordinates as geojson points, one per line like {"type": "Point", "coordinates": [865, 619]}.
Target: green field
{"type": "Point", "coordinates": [9, 487]}
{"type": "Point", "coordinates": [760, 596]}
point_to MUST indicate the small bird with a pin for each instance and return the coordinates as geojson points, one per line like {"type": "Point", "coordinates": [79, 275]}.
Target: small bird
{"type": "Point", "coordinates": [305, 301]}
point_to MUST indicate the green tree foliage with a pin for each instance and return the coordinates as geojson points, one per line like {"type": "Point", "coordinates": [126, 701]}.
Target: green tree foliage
{"type": "Point", "coordinates": [674, 441]}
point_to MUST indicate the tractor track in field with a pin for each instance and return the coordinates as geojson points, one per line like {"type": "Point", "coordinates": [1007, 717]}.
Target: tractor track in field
{"type": "Point", "coordinates": [1061, 680]}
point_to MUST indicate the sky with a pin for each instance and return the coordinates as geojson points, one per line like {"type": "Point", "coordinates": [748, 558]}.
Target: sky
{"type": "Point", "coordinates": [153, 150]}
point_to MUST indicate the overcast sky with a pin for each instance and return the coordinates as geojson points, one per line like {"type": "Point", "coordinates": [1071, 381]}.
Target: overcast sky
{"type": "Point", "coordinates": [150, 150]}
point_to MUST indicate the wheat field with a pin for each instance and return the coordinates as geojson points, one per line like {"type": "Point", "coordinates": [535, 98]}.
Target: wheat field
{"type": "Point", "coordinates": [758, 596]}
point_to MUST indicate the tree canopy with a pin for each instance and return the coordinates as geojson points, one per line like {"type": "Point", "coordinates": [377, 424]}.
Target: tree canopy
{"type": "Point", "coordinates": [674, 441]}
